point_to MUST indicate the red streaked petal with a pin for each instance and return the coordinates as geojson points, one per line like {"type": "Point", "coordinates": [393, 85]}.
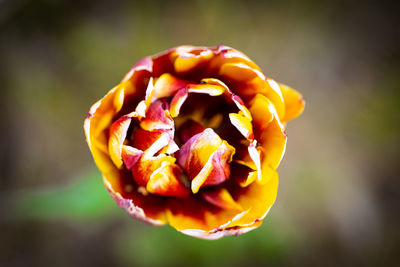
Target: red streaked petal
{"type": "Point", "coordinates": [157, 117]}
{"type": "Point", "coordinates": [221, 197]}
{"type": "Point", "coordinates": [206, 158]}
{"type": "Point", "coordinates": [146, 207]}
{"type": "Point", "coordinates": [216, 170]}
{"type": "Point", "coordinates": [165, 181]}
{"type": "Point", "coordinates": [130, 156]}
{"type": "Point", "coordinates": [177, 102]}
{"type": "Point", "coordinates": [146, 166]}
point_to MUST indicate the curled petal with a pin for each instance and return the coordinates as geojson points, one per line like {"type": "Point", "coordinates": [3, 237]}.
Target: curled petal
{"type": "Point", "coordinates": [177, 102]}
{"type": "Point", "coordinates": [118, 131]}
{"type": "Point", "coordinates": [206, 158]}
{"type": "Point", "coordinates": [294, 103]}
{"type": "Point", "coordinates": [130, 156]}
{"type": "Point", "coordinates": [165, 181]}
{"type": "Point", "coordinates": [157, 117]}
{"type": "Point", "coordinates": [243, 124]}
{"type": "Point", "coordinates": [98, 121]}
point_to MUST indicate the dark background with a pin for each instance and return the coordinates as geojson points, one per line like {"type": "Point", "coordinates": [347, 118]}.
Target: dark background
{"type": "Point", "coordinates": [338, 201]}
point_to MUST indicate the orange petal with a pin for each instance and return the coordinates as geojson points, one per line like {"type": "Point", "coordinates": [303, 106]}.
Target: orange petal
{"type": "Point", "coordinates": [221, 197]}
{"type": "Point", "coordinates": [273, 142]}
{"type": "Point", "coordinates": [262, 111]}
{"type": "Point", "coordinates": [145, 167]}
{"type": "Point", "coordinates": [239, 72]}
{"type": "Point", "coordinates": [165, 181]}
{"type": "Point", "coordinates": [294, 103]}
{"type": "Point", "coordinates": [98, 121]}
{"type": "Point", "coordinates": [188, 58]}
{"type": "Point", "coordinates": [275, 95]}
{"type": "Point", "coordinates": [167, 85]}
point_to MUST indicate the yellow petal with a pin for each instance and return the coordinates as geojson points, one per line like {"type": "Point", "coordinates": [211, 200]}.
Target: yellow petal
{"type": "Point", "coordinates": [243, 124]}
{"type": "Point", "coordinates": [221, 197]}
{"type": "Point", "coordinates": [294, 103]}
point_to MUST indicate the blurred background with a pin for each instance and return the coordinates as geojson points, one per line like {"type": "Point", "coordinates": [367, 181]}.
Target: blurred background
{"type": "Point", "coordinates": [339, 200]}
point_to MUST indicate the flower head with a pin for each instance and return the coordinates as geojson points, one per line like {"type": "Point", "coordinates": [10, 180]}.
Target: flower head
{"type": "Point", "coordinates": [193, 137]}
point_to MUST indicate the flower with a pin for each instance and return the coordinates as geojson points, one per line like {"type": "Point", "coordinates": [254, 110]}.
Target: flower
{"type": "Point", "coordinates": [192, 137]}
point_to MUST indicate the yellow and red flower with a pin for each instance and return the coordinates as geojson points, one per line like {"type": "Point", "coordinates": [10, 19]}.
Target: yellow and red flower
{"type": "Point", "coordinates": [192, 137]}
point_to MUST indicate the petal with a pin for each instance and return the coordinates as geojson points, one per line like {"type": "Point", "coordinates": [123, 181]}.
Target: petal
{"type": "Point", "coordinates": [216, 170]}
{"type": "Point", "coordinates": [177, 102]}
{"type": "Point", "coordinates": [157, 117]}
{"type": "Point", "coordinates": [165, 181]}
{"type": "Point", "coordinates": [130, 156]}
{"type": "Point", "coordinates": [294, 103]}
{"type": "Point", "coordinates": [274, 94]}
{"type": "Point", "coordinates": [243, 174]}
{"type": "Point", "coordinates": [269, 132]}
{"type": "Point", "coordinates": [239, 72]}
{"type": "Point", "coordinates": [146, 166]}
{"type": "Point", "coordinates": [243, 124]}
{"type": "Point", "coordinates": [188, 59]}
{"type": "Point", "coordinates": [146, 207]}
{"type": "Point", "coordinates": [196, 213]}
{"type": "Point", "coordinates": [98, 121]}
{"type": "Point", "coordinates": [118, 131]}
{"type": "Point", "coordinates": [211, 89]}
{"type": "Point", "coordinates": [206, 158]}
{"type": "Point", "coordinates": [262, 111]}
{"type": "Point", "coordinates": [273, 142]}
{"type": "Point", "coordinates": [257, 198]}
{"type": "Point", "coordinates": [167, 85]}
{"type": "Point", "coordinates": [220, 197]}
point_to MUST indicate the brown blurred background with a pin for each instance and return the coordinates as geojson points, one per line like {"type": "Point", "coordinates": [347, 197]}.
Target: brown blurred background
{"type": "Point", "coordinates": [338, 201]}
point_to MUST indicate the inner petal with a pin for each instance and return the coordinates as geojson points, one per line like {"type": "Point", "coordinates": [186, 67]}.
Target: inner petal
{"type": "Point", "coordinates": [205, 157]}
